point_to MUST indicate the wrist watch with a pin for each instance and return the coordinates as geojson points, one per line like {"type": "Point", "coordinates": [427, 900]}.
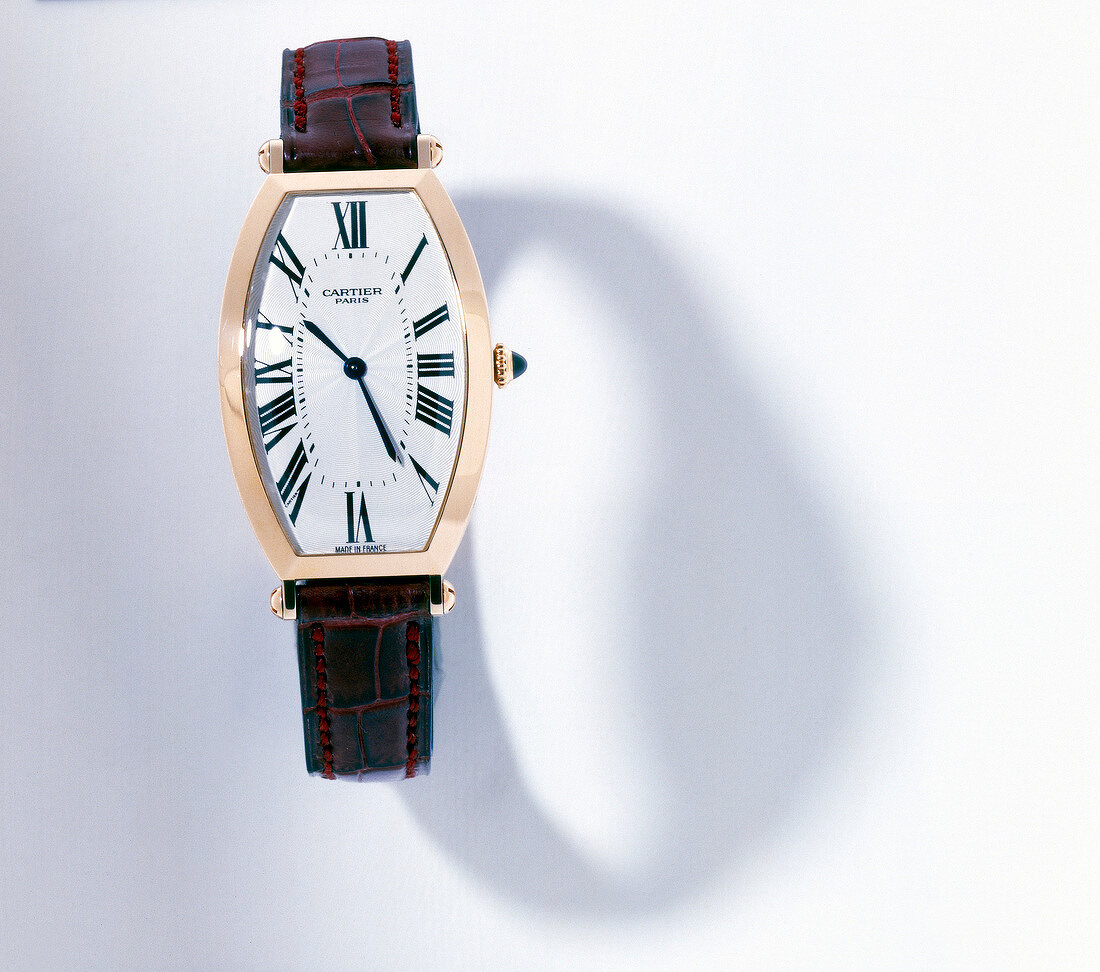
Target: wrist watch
{"type": "Point", "coordinates": [356, 371]}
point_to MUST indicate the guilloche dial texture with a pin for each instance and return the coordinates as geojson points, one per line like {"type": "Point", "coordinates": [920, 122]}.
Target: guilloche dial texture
{"type": "Point", "coordinates": [355, 371]}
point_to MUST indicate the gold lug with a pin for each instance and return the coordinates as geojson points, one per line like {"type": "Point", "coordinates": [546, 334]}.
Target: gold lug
{"type": "Point", "coordinates": [283, 603]}
{"type": "Point", "coordinates": [429, 151]}
{"type": "Point", "coordinates": [271, 156]}
{"type": "Point", "coordinates": [441, 595]}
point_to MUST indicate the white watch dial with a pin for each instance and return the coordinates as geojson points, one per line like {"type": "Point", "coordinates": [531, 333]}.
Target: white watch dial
{"type": "Point", "coordinates": [355, 371]}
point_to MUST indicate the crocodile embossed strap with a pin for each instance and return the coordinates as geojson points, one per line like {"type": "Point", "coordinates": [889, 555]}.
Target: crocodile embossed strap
{"type": "Point", "coordinates": [365, 659]}
{"type": "Point", "coordinates": [349, 104]}
{"type": "Point", "coordinates": [364, 646]}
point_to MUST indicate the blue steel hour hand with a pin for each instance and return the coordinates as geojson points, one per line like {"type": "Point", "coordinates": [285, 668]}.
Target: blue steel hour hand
{"type": "Point", "coordinates": [355, 368]}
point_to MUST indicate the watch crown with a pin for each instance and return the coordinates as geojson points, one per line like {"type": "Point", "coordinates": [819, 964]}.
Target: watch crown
{"type": "Point", "coordinates": [507, 365]}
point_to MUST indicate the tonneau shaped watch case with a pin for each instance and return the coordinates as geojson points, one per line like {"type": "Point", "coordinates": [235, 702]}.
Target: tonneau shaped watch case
{"type": "Point", "coordinates": [458, 502]}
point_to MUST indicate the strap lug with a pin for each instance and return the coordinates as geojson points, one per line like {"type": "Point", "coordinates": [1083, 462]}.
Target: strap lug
{"type": "Point", "coordinates": [429, 151]}
{"type": "Point", "coordinates": [271, 156]}
{"type": "Point", "coordinates": [284, 601]}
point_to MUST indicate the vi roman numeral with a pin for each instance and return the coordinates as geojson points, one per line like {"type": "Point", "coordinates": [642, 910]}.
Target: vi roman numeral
{"type": "Point", "coordinates": [287, 260]}
{"type": "Point", "coordinates": [277, 418]}
{"type": "Point", "coordinates": [351, 219]}
{"type": "Point", "coordinates": [433, 409]}
{"type": "Point", "coordinates": [435, 365]}
{"type": "Point", "coordinates": [292, 488]}
{"type": "Point", "coordinates": [358, 521]}
{"type": "Point", "coordinates": [428, 321]}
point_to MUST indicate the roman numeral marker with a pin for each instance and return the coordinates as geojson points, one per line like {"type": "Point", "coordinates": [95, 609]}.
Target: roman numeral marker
{"type": "Point", "coordinates": [433, 409]}
{"type": "Point", "coordinates": [281, 255]}
{"type": "Point", "coordinates": [435, 365]}
{"type": "Point", "coordinates": [263, 321]}
{"type": "Point", "coordinates": [277, 418]}
{"type": "Point", "coordinates": [355, 522]}
{"type": "Point", "coordinates": [412, 260]}
{"type": "Point", "coordinates": [428, 321]}
{"type": "Point", "coordinates": [289, 487]}
{"type": "Point", "coordinates": [425, 480]}
{"type": "Point", "coordinates": [351, 218]}
{"type": "Point", "coordinates": [281, 374]}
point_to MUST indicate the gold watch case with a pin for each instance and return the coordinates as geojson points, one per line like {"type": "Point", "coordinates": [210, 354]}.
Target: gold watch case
{"type": "Point", "coordinates": [474, 434]}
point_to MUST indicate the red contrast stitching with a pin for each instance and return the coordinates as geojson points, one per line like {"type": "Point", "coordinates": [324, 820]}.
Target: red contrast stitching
{"type": "Point", "coordinates": [318, 636]}
{"type": "Point", "coordinates": [412, 653]}
{"type": "Point", "coordinates": [395, 94]}
{"type": "Point", "coordinates": [347, 91]}
{"type": "Point", "coordinates": [299, 90]}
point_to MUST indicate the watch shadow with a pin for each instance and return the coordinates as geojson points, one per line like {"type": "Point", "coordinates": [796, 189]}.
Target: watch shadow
{"type": "Point", "coordinates": [750, 606]}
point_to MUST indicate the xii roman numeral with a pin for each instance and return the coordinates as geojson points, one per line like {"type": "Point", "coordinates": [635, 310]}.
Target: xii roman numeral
{"type": "Point", "coordinates": [351, 219]}
{"type": "Point", "coordinates": [277, 418]}
{"type": "Point", "coordinates": [290, 489]}
{"type": "Point", "coordinates": [433, 409]}
{"type": "Point", "coordinates": [435, 365]}
{"type": "Point", "coordinates": [356, 521]}
{"type": "Point", "coordinates": [287, 260]}
{"type": "Point", "coordinates": [428, 321]}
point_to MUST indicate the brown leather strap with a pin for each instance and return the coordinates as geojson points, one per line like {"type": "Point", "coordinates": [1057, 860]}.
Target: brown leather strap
{"type": "Point", "coordinates": [364, 647]}
{"type": "Point", "coordinates": [349, 104]}
{"type": "Point", "coordinates": [365, 658]}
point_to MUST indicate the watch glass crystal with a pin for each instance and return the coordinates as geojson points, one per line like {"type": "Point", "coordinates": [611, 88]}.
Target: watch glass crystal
{"type": "Point", "coordinates": [354, 371]}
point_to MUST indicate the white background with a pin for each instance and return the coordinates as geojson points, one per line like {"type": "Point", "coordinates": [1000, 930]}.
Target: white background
{"type": "Point", "coordinates": [776, 642]}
